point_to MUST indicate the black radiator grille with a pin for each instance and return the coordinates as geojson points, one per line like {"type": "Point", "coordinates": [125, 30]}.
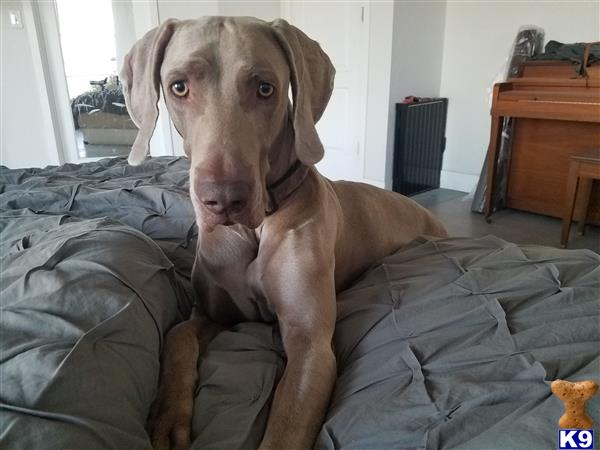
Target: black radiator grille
{"type": "Point", "coordinates": [419, 143]}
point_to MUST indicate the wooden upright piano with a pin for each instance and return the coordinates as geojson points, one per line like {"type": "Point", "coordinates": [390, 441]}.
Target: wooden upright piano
{"type": "Point", "coordinates": [556, 114]}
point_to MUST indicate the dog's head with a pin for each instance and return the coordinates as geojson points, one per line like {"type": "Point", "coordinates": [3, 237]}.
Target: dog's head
{"type": "Point", "coordinates": [225, 82]}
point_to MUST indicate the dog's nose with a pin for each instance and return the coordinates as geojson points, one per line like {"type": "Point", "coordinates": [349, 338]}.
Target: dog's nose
{"type": "Point", "coordinates": [224, 196]}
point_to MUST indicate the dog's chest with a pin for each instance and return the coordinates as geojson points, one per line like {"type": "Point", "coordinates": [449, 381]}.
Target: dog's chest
{"type": "Point", "coordinates": [227, 279]}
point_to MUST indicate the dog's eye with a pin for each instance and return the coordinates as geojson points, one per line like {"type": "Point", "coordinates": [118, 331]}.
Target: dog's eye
{"type": "Point", "coordinates": [180, 88]}
{"type": "Point", "coordinates": [265, 89]}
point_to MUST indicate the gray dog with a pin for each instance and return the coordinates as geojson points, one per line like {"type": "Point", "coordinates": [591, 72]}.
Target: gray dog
{"type": "Point", "coordinates": [277, 240]}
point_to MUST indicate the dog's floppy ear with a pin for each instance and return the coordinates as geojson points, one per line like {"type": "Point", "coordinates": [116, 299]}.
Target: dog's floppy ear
{"type": "Point", "coordinates": [140, 77]}
{"type": "Point", "coordinates": [311, 77]}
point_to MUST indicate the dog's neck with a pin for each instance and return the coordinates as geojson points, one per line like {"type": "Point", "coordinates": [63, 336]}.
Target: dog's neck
{"type": "Point", "coordinates": [286, 172]}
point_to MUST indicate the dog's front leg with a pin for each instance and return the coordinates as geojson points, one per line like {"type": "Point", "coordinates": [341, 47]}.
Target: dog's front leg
{"type": "Point", "coordinates": [302, 395]}
{"type": "Point", "coordinates": [171, 414]}
{"type": "Point", "coordinates": [302, 290]}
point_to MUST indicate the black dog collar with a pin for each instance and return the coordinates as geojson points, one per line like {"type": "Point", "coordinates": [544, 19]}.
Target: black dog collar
{"type": "Point", "coordinates": [284, 186]}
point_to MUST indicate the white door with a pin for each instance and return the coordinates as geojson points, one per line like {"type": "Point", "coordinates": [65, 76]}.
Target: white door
{"type": "Point", "coordinates": [341, 29]}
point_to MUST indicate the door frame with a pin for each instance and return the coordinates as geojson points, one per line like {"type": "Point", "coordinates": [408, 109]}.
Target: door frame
{"type": "Point", "coordinates": [46, 28]}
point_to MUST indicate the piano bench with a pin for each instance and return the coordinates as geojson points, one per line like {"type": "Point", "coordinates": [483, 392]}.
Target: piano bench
{"type": "Point", "coordinates": [583, 170]}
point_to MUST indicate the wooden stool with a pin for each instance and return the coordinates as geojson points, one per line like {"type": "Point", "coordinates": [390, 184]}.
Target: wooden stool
{"type": "Point", "coordinates": [583, 170]}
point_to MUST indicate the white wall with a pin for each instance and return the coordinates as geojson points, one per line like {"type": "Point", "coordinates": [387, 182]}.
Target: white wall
{"type": "Point", "coordinates": [265, 9]}
{"type": "Point", "coordinates": [416, 65]}
{"type": "Point", "coordinates": [26, 130]}
{"type": "Point", "coordinates": [477, 40]}
{"type": "Point", "coordinates": [408, 42]}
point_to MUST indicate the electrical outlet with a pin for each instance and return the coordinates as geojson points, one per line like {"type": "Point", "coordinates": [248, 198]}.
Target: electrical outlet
{"type": "Point", "coordinates": [15, 19]}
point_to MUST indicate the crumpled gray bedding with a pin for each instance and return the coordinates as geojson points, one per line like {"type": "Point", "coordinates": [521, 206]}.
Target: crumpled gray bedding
{"type": "Point", "coordinates": [445, 344]}
{"type": "Point", "coordinates": [152, 198]}
{"type": "Point", "coordinates": [84, 308]}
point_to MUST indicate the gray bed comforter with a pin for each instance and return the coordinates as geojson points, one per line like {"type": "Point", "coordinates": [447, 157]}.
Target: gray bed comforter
{"type": "Point", "coordinates": [445, 344]}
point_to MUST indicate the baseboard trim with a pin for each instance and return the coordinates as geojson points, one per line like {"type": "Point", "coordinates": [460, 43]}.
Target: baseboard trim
{"type": "Point", "coordinates": [376, 183]}
{"type": "Point", "coordinates": [458, 181]}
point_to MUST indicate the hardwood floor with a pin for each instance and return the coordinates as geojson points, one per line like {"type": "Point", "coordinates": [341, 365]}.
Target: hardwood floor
{"type": "Point", "coordinates": [454, 210]}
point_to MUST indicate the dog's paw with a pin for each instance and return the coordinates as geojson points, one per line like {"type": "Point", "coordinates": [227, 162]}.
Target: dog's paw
{"type": "Point", "coordinates": [170, 421]}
